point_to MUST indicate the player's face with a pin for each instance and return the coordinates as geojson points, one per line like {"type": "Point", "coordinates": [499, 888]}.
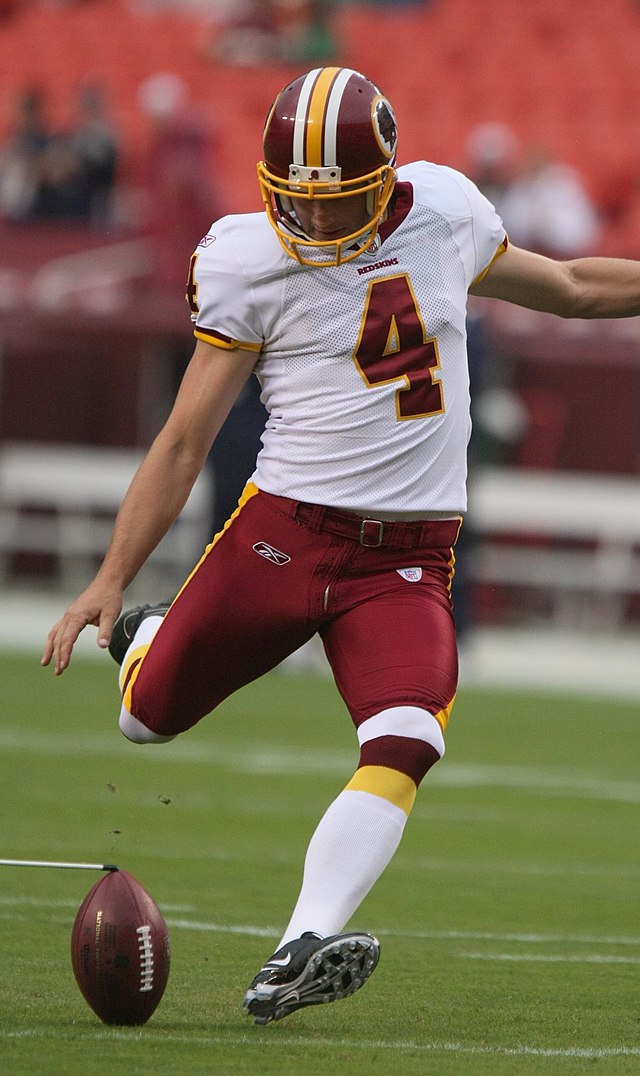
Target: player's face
{"type": "Point", "coordinates": [332, 218]}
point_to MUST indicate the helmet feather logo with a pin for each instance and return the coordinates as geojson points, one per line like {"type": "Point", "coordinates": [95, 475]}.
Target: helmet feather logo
{"type": "Point", "coordinates": [385, 126]}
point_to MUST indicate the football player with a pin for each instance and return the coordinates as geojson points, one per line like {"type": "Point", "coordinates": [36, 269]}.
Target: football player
{"type": "Point", "coordinates": [347, 299]}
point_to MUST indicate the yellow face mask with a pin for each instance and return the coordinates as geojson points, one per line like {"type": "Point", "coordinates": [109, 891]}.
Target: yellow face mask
{"type": "Point", "coordinates": [280, 200]}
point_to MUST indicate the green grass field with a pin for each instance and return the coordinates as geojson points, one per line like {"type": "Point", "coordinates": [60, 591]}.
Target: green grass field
{"type": "Point", "coordinates": [508, 920]}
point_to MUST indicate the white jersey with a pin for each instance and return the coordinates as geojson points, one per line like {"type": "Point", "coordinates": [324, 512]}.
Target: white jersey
{"type": "Point", "coordinates": [363, 366]}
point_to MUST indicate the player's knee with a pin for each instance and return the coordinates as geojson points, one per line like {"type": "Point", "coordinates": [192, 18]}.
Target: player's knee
{"type": "Point", "coordinates": [403, 738]}
{"type": "Point", "coordinates": [135, 731]}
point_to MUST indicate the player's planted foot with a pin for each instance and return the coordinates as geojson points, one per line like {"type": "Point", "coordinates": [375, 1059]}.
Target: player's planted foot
{"type": "Point", "coordinates": [127, 625]}
{"type": "Point", "coordinates": [310, 971]}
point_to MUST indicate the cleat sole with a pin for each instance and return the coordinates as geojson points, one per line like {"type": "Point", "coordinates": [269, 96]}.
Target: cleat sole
{"type": "Point", "coordinates": [334, 972]}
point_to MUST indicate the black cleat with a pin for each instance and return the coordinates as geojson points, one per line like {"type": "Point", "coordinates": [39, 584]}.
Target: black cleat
{"type": "Point", "coordinates": [127, 625]}
{"type": "Point", "coordinates": [310, 971]}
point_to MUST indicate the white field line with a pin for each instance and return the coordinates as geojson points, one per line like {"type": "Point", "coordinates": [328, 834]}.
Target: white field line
{"type": "Point", "coordinates": [427, 935]}
{"type": "Point", "coordinates": [504, 866]}
{"type": "Point", "coordinates": [523, 937]}
{"type": "Point", "coordinates": [264, 1042]}
{"type": "Point", "coordinates": [267, 758]}
{"type": "Point", "coordinates": [552, 958]}
{"type": "Point", "coordinates": [250, 930]}
{"type": "Point", "coordinates": [68, 902]}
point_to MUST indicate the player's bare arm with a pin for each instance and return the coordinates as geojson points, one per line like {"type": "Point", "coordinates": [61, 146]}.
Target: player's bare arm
{"type": "Point", "coordinates": [157, 494]}
{"type": "Point", "coordinates": [580, 288]}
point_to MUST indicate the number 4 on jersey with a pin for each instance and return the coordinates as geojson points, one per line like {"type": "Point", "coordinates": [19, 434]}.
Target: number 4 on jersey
{"type": "Point", "coordinates": [393, 346]}
{"type": "Point", "coordinates": [191, 294]}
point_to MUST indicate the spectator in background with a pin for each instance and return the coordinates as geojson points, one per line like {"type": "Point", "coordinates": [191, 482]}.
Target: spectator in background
{"type": "Point", "coordinates": [94, 144]}
{"type": "Point", "coordinates": [253, 32]}
{"type": "Point", "coordinates": [48, 175]}
{"type": "Point", "coordinates": [492, 152]}
{"type": "Point", "coordinates": [177, 179]}
{"type": "Point", "coordinates": [62, 184]}
{"type": "Point", "coordinates": [21, 157]}
{"type": "Point", "coordinates": [243, 32]}
{"type": "Point", "coordinates": [304, 28]}
{"type": "Point", "coordinates": [544, 203]}
{"type": "Point", "coordinates": [548, 208]}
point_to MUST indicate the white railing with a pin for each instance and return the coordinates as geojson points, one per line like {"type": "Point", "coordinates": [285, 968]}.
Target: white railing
{"type": "Point", "coordinates": [61, 500]}
{"type": "Point", "coordinates": [575, 535]}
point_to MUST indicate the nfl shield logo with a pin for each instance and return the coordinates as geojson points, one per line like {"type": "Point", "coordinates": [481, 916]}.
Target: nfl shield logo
{"type": "Point", "coordinates": [412, 575]}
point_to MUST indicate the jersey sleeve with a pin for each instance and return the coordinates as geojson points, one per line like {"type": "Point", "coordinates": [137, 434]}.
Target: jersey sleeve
{"type": "Point", "coordinates": [480, 235]}
{"type": "Point", "coordinates": [219, 294]}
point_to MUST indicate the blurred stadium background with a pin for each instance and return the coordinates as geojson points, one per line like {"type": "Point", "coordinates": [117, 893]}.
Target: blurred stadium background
{"type": "Point", "coordinates": [147, 116]}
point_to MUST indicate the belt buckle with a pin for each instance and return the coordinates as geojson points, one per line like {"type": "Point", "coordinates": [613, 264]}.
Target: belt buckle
{"type": "Point", "coordinates": [379, 535]}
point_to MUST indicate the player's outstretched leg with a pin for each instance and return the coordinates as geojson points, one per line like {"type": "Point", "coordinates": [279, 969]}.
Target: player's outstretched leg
{"type": "Point", "coordinates": [127, 625]}
{"type": "Point", "coordinates": [310, 971]}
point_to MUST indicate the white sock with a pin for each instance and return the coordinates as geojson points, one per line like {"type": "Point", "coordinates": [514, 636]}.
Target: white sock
{"type": "Point", "coordinates": [130, 727]}
{"type": "Point", "coordinates": [348, 852]}
{"type": "Point", "coordinates": [135, 731]}
{"type": "Point", "coordinates": [142, 637]}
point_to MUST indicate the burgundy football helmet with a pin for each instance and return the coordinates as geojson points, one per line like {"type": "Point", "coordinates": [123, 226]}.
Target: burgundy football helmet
{"type": "Point", "coordinates": [329, 134]}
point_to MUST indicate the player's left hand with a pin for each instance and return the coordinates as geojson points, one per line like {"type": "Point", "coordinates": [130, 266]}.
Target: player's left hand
{"type": "Point", "coordinates": [99, 605]}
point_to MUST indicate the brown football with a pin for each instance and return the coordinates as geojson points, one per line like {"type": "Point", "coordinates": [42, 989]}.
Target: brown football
{"type": "Point", "coordinates": [120, 950]}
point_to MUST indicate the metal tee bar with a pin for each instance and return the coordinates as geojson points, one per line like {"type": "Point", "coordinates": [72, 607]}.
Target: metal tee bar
{"type": "Point", "coordinates": [49, 863]}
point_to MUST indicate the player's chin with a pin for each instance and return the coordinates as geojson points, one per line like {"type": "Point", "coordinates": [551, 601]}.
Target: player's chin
{"type": "Point", "coordinates": [329, 235]}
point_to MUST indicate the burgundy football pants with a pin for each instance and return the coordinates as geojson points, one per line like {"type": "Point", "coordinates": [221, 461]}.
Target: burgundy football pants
{"type": "Point", "coordinates": [379, 595]}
